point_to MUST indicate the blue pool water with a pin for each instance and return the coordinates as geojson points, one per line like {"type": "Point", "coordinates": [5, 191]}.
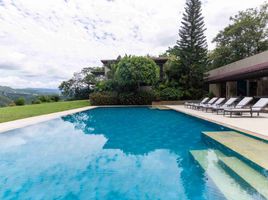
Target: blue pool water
{"type": "Point", "coordinates": [107, 153]}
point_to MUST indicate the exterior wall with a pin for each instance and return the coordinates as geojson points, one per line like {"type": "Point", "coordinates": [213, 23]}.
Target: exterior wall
{"type": "Point", "coordinates": [215, 89]}
{"type": "Point", "coordinates": [231, 89]}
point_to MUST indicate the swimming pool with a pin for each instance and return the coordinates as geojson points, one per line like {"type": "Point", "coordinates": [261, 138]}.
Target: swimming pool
{"type": "Point", "coordinates": [110, 153]}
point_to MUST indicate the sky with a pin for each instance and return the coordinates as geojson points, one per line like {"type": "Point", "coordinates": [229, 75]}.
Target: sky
{"type": "Point", "coordinates": [44, 42]}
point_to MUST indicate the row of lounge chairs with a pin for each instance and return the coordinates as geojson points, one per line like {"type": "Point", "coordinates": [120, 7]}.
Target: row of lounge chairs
{"type": "Point", "coordinates": [221, 105]}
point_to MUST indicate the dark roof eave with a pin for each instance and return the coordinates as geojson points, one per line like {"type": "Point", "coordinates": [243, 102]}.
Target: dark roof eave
{"type": "Point", "coordinates": [255, 70]}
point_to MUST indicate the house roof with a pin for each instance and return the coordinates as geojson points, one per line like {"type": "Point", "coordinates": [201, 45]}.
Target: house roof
{"type": "Point", "coordinates": [251, 67]}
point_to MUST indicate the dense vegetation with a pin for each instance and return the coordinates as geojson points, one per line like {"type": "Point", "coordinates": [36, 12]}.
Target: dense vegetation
{"type": "Point", "coordinates": [82, 83]}
{"type": "Point", "coordinates": [20, 112]}
{"type": "Point", "coordinates": [128, 82]}
{"type": "Point", "coordinates": [247, 35]}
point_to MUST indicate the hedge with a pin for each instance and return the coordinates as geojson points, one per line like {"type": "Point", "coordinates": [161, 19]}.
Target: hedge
{"type": "Point", "coordinates": [126, 98]}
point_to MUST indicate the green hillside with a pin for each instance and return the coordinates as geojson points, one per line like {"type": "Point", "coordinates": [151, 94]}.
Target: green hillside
{"type": "Point", "coordinates": [8, 95]}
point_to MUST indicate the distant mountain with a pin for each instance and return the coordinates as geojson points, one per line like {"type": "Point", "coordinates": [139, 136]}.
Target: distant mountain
{"type": "Point", "coordinates": [8, 95]}
{"type": "Point", "coordinates": [43, 91]}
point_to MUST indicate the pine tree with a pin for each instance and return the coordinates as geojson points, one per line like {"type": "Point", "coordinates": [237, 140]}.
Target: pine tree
{"type": "Point", "coordinates": [192, 50]}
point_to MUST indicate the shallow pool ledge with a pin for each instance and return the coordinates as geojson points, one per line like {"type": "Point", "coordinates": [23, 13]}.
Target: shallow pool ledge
{"type": "Point", "coordinates": [254, 126]}
{"type": "Point", "coordinates": [7, 126]}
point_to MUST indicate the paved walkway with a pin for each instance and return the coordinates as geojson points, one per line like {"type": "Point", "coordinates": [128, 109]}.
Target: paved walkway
{"type": "Point", "coordinates": [256, 126]}
{"type": "Point", "coordinates": [7, 126]}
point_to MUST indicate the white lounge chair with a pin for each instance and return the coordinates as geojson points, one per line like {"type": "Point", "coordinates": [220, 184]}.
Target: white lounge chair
{"type": "Point", "coordinates": [190, 104]}
{"type": "Point", "coordinates": [256, 108]}
{"type": "Point", "coordinates": [210, 102]}
{"type": "Point", "coordinates": [227, 104]}
{"type": "Point", "coordinates": [241, 104]}
{"type": "Point", "coordinates": [215, 104]}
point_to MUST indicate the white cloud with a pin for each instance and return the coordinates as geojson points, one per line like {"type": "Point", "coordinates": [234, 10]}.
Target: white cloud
{"type": "Point", "coordinates": [44, 42]}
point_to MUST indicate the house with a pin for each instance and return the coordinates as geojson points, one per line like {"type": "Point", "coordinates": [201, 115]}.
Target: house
{"type": "Point", "coordinates": [247, 77]}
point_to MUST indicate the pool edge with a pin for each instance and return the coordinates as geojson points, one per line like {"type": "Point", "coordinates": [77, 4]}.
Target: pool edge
{"type": "Point", "coordinates": [241, 130]}
{"type": "Point", "coordinates": [21, 123]}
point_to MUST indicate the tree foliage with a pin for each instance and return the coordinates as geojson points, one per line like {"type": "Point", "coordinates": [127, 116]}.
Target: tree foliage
{"type": "Point", "coordinates": [136, 71]}
{"type": "Point", "coordinates": [191, 51]}
{"type": "Point", "coordinates": [20, 101]}
{"type": "Point", "coordinates": [81, 84]}
{"type": "Point", "coordinates": [247, 35]}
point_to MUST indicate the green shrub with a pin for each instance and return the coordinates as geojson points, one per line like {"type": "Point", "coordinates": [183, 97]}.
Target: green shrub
{"type": "Point", "coordinates": [49, 98]}
{"type": "Point", "coordinates": [137, 98]}
{"type": "Point", "coordinates": [37, 101]}
{"type": "Point", "coordinates": [20, 101]}
{"type": "Point", "coordinates": [136, 71]}
{"type": "Point", "coordinates": [103, 98]}
{"type": "Point", "coordinates": [44, 98]}
{"type": "Point", "coordinates": [55, 98]}
{"type": "Point", "coordinates": [126, 98]}
{"type": "Point", "coordinates": [169, 94]}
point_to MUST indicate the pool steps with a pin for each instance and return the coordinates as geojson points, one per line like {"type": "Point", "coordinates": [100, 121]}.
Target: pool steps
{"type": "Point", "coordinates": [249, 175]}
{"type": "Point", "coordinates": [208, 160]}
{"type": "Point", "coordinates": [246, 164]}
{"type": "Point", "coordinates": [250, 149]}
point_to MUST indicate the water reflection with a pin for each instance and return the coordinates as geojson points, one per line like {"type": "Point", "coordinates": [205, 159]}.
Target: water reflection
{"type": "Point", "coordinates": [138, 132]}
{"type": "Point", "coordinates": [56, 160]}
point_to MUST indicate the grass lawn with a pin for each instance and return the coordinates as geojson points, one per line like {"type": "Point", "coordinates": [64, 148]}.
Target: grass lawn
{"type": "Point", "coordinates": [19, 112]}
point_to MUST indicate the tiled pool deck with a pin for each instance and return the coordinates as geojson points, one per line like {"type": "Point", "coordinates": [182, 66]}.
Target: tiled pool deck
{"type": "Point", "coordinates": [256, 126]}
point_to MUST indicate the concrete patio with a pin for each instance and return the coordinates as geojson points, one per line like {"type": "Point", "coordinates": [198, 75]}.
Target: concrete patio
{"type": "Point", "coordinates": [255, 126]}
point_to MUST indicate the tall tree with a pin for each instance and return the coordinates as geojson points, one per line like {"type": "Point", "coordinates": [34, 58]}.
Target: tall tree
{"type": "Point", "coordinates": [247, 35]}
{"type": "Point", "coordinates": [191, 49]}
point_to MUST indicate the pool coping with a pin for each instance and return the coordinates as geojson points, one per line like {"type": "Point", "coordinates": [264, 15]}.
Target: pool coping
{"type": "Point", "coordinates": [239, 129]}
{"type": "Point", "coordinates": [20, 123]}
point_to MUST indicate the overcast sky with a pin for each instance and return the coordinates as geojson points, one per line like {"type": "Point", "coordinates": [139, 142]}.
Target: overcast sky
{"type": "Point", "coordinates": [42, 42]}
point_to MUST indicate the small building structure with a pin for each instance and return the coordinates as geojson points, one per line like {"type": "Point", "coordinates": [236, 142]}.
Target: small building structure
{"type": "Point", "coordinates": [247, 77]}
